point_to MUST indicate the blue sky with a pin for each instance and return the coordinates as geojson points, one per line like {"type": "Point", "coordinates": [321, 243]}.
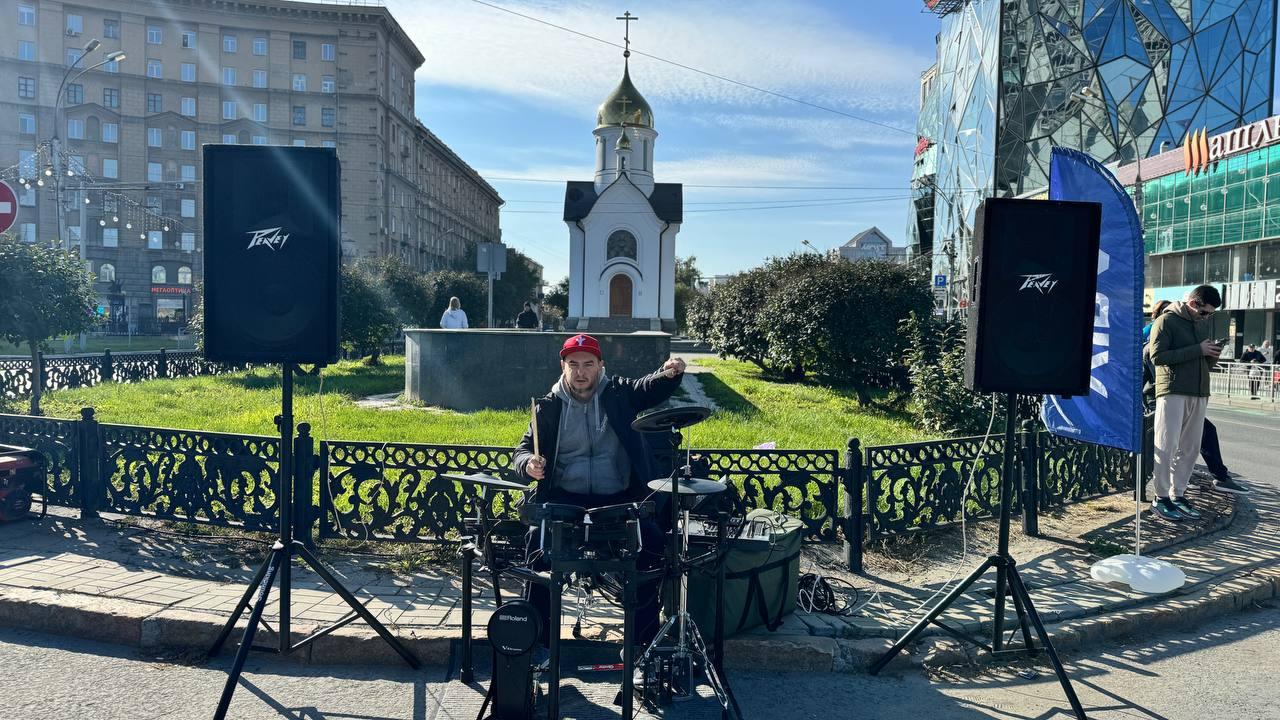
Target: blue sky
{"type": "Point", "coordinates": [517, 99]}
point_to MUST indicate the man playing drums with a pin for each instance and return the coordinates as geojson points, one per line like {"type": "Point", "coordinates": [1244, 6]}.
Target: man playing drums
{"type": "Point", "coordinates": [591, 457]}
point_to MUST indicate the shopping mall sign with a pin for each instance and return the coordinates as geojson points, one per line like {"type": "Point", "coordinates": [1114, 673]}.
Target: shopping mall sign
{"type": "Point", "coordinates": [1199, 150]}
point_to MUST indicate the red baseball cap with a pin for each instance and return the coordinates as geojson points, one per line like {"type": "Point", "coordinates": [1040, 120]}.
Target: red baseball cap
{"type": "Point", "coordinates": [580, 343]}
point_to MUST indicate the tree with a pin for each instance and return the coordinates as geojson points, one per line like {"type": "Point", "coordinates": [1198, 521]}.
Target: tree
{"type": "Point", "coordinates": [44, 292]}
{"type": "Point", "coordinates": [686, 289]}
{"type": "Point", "coordinates": [409, 290]}
{"type": "Point", "coordinates": [558, 297]}
{"type": "Point", "coordinates": [470, 290]}
{"type": "Point", "coordinates": [367, 315]}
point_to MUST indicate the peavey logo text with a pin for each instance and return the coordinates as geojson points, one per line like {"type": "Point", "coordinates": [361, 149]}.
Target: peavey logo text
{"type": "Point", "coordinates": [1043, 282]}
{"type": "Point", "coordinates": [270, 237]}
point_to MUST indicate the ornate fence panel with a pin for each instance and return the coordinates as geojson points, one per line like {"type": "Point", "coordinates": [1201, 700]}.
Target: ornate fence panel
{"type": "Point", "coordinates": [189, 363]}
{"type": "Point", "coordinates": [15, 377]}
{"type": "Point", "coordinates": [1070, 471]}
{"type": "Point", "coordinates": [919, 486]}
{"type": "Point", "coordinates": [135, 367]}
{"type": "Point", "coordinates": [193, 476]}
{"type": "Point", "coordinates": [72, 371]}
{"type": "Point", "coordinates": [801, 483]}
{"type": "Point", "coordinates": [394, 491]}
{"type": "Point", "coordinates": [57, 441]}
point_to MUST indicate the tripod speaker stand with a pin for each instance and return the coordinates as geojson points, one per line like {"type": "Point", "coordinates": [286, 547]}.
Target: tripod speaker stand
{"type": "Point", "coordinates": [1007, 582]}
{"type": "Point", "coordinates": [279, 563]}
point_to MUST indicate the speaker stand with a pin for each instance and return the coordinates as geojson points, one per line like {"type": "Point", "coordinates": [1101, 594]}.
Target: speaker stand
{"type": "Point", "coordinates": [279, 564]}
{"type": "Point", "coordinates": [1008, 582]}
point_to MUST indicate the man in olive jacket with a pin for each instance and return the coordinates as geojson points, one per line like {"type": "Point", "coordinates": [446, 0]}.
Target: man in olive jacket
{"type": "Point", "coordinates": [1182, 351]}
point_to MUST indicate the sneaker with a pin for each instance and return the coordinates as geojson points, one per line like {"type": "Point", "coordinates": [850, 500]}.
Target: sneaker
{"type": "Point", "coordinates": [1228, 485]}
{"type": "Point", "coordinates": [1165, 508]}
{"type": "Point", "coordinates": [1185, 508]}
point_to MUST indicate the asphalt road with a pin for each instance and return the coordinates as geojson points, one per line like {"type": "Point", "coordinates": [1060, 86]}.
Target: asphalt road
{"type": "Point", "coordinates": [1250, 444]}
{"type": "Point", "coordinates": [1223, 670]}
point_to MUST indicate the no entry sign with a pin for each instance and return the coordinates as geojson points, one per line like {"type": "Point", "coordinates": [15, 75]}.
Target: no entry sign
{"type": "Point", "coordinates": [8, 207]}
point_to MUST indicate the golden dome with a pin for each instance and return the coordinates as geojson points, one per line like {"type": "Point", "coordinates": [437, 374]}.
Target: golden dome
{"type": "Point", "coordinates": [624, 106]}
{"type": "Point", "coordinates": [624, 142]}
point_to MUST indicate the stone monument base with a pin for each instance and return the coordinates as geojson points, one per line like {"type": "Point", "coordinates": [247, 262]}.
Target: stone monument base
{"type": "Point", "coordinates": [476, 369]}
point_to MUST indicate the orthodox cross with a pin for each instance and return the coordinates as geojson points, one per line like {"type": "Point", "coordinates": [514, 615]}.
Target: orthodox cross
{"type": "Point", "coordinates": [623, 102]}
{"type": "Point", "coordinates": [626, 18]}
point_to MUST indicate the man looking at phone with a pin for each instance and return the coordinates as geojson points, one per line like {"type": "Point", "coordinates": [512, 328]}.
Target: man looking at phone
{"type": "Point", "coordinates": [1183, 353]}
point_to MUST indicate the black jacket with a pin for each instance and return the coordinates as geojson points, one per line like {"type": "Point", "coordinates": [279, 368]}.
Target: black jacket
{"type": "Point", "coordinates": [527, 319]}
{"type": "Point", "coordinates": [622, 399]}
{"type": "Point", "coordinates": [1253, 356]}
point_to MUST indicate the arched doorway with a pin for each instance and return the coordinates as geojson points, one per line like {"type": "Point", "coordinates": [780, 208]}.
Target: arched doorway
{"type": "Point", "coordinates": [620, 296]}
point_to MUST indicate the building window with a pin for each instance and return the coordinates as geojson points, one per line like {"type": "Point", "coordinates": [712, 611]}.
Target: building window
{"type": "Point", "coordinates": [154, 35]}
{"type": "Point", "coordinates": [329, 144]}
{"type": "Point", "coordinates": [184, 275]}
{"type": "Point", "coordinates": [299, 142]}
{"type": "Point", "coordinates": [228, 43]}
{"type": "Point", "coordinates": [189, 39]}
{"type": "Point", "coordinates": [111, 98]}
{"type": "Point", "coordinates": [112, 66]}
{"type": "Point", "coordinates": [75, 24]}
{"type": "Point", "coordinates": [155, 172]}
{"type": "Point", "coordinates": [259, 46]}
{"type": "Point", "coordinates": [26, 15]}
{"type": "Point", "coordinates": [27, 88]}
{"type": "Point", "coordinates": [229, 109]}
{"type": "Point", "coordinates": [327, 117]}
{"type": "Point", "coordinates": [158, 275]}
{"type": "Point", "coordinates": [188, 173]}
{"type": "Point", "coordinates": [75, 128]}
{"type": "Point", "coordinates": [27, 233]}
{"type": "Point", "coordinates": [188, 208]}
{"type": "Point", "coordinates": [155, 102]}
{"type": "Point", "coordinates": [188, 72]}
{"type": "Point", "coordinates": [299, 49]}
{"type": "Point", "coordinates": [260, 112]}
{"type": "Point", "coordinates": [26, 163]}
{"type": "Point", "coordinates": [328, 52]}
{"type": "Point", "coordinates": [228, 76]}
{"type": "Point", "coordinates": [188, 106]}
{"type": "Point", "coordinates": [110, 168]}
{"type": "Point", "coordinates": [299, 82]}
{"type": "Point", "coordinates": [188, 138]}
{"type": "Point", "coordinates": [188, 241]}
{"type": "Point", "coordinates": [155, 137]}
{"type": "Point", "coordinates": [259, 139]}
{"type": "Point", "coordinates": [229, 138]}
{"type": "Point", "coordinates": [73, 56]}
{"type": "Point", "coordinates": [26, 50]}
{"type": "Point", "coordinates": [327, 85]}
{"type": "Point", "coordinates": [110, 132]}
{"type": "Point", "coordinates": [153, 203]}
{"type": "Point", "coordinates": [110, 28]}
{"type": "Point", "coordinates": [111, 237]}
{"type": "Point", "coordinates": [155, 240]}
{"type": "Point", "coordinates": [75, 94]}
{"type": "Point", "coordinates": [259, 78]}
{"type": "Point", "coordinates": [26, 124]}
{"type": "Point", "coordinates": [299, 115]}
{"type": "Point", "coordinates": [155, 69]}
{"type": "Point", "coordinates": [622, 244]}
{"type": "Point", "coordinates": [107, 273]}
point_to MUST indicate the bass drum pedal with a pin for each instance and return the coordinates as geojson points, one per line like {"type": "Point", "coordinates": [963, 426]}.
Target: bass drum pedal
{"type": "Point", "coordinates": [513, 633]}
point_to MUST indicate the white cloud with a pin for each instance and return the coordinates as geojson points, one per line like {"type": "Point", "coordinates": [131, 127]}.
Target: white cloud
{"type": "Point", "coordinates": [792, 48]}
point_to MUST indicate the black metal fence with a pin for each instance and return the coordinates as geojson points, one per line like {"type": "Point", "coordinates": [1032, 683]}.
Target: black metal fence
{"type": "Point", "coordinates": [394, 491]}
{"type": "Point", "coordinates": [58, 372]}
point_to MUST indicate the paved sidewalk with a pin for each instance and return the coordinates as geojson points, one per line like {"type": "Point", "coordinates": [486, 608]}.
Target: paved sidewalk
{"type": "Point", "coordinates": [119, 583]}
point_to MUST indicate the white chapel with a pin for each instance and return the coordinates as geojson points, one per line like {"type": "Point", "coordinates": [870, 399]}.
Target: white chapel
{"type": "Point", "coordinates": [623, 225]}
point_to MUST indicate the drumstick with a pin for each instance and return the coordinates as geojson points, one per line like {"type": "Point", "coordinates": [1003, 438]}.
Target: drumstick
{"type": "Point", "coordinates": [533, 422]}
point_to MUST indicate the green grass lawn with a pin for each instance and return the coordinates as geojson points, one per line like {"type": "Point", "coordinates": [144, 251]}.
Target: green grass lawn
{"type": "Point", "coordinates": [116, 343]}
{"type": "Point", "coordinates": [753, 410]}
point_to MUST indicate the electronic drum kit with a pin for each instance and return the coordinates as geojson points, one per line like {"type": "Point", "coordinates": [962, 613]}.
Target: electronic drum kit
{"type": "Point", "coordinates": [596, 548]}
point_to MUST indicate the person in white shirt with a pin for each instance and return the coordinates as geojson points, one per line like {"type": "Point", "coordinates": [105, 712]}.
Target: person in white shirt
{"type": "Point", "coordinates": [455, 318]}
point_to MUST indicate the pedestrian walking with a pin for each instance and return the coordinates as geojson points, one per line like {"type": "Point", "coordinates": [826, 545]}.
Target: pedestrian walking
{"type": "Point", "coordinates": [1268, 352]}
{"type": "Point", "coordinates": [1256, 359]}
{"type": "Point", "coordinates": [1183, 352]}
{"type": "Point", "coordinates": [527, 319]}
{"type": "Point", "coordinates": [455, 318]}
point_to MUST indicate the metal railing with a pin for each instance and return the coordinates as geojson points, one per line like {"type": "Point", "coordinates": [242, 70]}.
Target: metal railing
{"type": "Point", "coordinates": [1245, 381]}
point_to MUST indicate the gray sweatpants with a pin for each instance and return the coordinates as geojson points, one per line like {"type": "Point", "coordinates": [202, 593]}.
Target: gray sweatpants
{"type": "Point", "coordinates": [1179, 426]}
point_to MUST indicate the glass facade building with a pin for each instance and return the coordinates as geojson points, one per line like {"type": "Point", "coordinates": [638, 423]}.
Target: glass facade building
{"type": "Point", "coordinates": [1119, 79]}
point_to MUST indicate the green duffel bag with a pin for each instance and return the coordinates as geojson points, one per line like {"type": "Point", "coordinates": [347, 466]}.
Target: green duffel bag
{"type": "Point", "coordinates": [761, 580]}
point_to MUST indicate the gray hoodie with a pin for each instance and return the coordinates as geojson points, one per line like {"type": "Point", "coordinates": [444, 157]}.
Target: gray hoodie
{"type": "Point", "coordinates": [589, 458]}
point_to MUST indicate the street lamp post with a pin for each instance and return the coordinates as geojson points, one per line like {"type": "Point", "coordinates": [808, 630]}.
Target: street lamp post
{"type": "Point", "coordinates": [58, 169]}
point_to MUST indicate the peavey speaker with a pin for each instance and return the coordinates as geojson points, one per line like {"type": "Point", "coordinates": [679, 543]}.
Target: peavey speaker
{"type": "Point", "coordinates": [1033, 296]}
{"type": "Point", "coordinates": [272, 248]}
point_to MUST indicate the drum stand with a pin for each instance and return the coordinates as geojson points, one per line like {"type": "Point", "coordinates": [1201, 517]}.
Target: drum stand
{"type": "Point", "coordinates": [680, 626]}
